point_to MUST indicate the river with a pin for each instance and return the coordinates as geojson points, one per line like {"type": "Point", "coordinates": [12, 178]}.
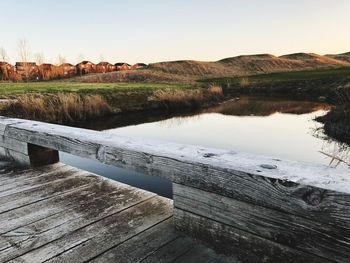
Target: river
{"type": "Point", "coordinates": [278, 128]}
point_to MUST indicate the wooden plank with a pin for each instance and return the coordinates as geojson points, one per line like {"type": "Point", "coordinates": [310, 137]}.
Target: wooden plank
{"type": "Point", "coordinates": [202, 254]}
{"type": "Point", "coordinates": [109, 198]}
{"type": "Point", "coordinates": [88, 242]}
{"type": "Point", "coordinates": [171, 251]}
{"type": "Point", "coordinates": [42, 179]}
{"type": "Point", "coordinates": [4, 122]}
{"type": "Point", "coordinates": [313, 237]}
{"type": "Point", "coordinates": [44, 192]}
{"type": "Point", "coordinates": [31, 213]}
{"type": "Point", "coordinates": [237, 243]}
{"type": "Point", "coordinates": [13, 144]}
{"type": "Point", "coordinates": [311, 191]}
{"type": "Point", "coordinates": [19, 158]}
{"type": "Point", "coordinates": [5, 167]}
{"type": "Point", "coordinates": [140, 246]}
{"type": "Point", "coordinates": [11, 174]}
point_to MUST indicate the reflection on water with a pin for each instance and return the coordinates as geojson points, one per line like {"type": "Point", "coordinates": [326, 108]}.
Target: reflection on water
{"type": "Point", "coordinates": [278, 128]}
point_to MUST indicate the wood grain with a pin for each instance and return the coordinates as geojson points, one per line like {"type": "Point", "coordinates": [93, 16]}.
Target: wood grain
{"type": "Point", "coordinates": [309, 236]}
{"type": "Point", "coordinates": [240, 244]}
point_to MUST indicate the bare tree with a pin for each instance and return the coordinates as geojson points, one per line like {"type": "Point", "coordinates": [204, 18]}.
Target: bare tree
{"type": "Point", "coordinates": [23, 50]}
{"type": "Point", "coordinates": [61, 59]}
{"type": "Point", "coordinates": [39, 58]}
{"type": "Point", "coordinates": [3, 55]}
{"type": "Point", "coordinates": [24, 54]}
{"type": "Point", "coordinates": [80, 58]}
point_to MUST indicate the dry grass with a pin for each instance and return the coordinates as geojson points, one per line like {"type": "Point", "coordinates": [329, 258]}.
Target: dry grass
{"type": "Point", "coordinates": [176, 99]}
{"type": "Point", "coordinates": [244, 82]}
{"type": "Point", "coordinates": [60, 107]}
{"type": "Point", "coordinates": [215, 90]}
{"type": "Point", "coordinates": [144, 76]}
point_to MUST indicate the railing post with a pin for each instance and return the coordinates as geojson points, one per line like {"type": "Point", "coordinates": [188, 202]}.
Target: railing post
{"type": "Point", "coordinates": [23, 153]}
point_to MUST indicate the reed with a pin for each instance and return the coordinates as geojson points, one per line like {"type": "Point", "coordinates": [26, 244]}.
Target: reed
{"type": "Point", "coordinates": [176, 99]}
{"type": "Point", "coordinates": [59, 108]}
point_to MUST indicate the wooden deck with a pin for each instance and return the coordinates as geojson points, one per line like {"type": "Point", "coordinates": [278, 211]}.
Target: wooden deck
{"type": "Point", "coordinates": [249, 207]}
{"type": "Point", "coordinates": [58, 213]}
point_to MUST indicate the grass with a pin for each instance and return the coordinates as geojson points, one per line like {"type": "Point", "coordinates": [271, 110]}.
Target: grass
{"type": "Point", "coordinates": [59, 108]}
{"type": "Point", "coordinates": [281, 77]}
{"type": "Point", "coordinates": [337, 121]}
{"type": "Point", "coordinates": [68, 103]}
{"type": "Point", "coordinates": [7, 89]}
{"type": "Point", "coordinates": [187, 98]}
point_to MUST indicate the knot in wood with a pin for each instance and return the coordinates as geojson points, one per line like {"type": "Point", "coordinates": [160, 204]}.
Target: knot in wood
{"type": "Point", "coordinates": [208, 155]}
{"type": "Point", "coordinates": [313, 197]}
{"type": "Point", "coordinates": [268, 166]}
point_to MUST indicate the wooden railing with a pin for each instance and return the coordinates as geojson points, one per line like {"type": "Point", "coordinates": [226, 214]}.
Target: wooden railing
{"type": "Point", "coordinates": [242, 204]}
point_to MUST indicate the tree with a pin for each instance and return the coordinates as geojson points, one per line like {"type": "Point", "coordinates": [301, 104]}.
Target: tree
{"type": "Point", "coordinates": [23, 50]}
{"type": "Point", "coordinates": [39, 58]}
{"type": "Point", "coordinates": [61, 59]}
{"type": "Point", "coordinates": [101, 57]}
{"type": "Point", "coordinates": [3, 55]}
{"type": "Point", "coordinates": [24, 54]}
{"type": "Point", "coordinates": [80, 58]}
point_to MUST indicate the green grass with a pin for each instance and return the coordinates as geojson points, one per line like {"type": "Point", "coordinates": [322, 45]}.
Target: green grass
{"type": "Point", "coordinates": [283, 76]}
{"type": "Point", "coordinates": [10, 89]}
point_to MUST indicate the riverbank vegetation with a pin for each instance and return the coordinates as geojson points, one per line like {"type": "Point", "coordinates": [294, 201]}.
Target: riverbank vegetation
{"type": "Point", "coordinates": [121, 97]}
{"type": "Point", "coordinates": [67, 104]}
{"type": "Point", "coordinates": [309, 84]}
{"type": "Point", "coordinates": [58, 108]}
{"type": "Point", "coordinates": [337, 121]}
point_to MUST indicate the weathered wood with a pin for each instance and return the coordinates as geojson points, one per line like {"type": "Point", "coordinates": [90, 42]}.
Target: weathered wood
{"type": "Point", "coordinates": [171, 251]}
{"type": "Point", "coordinates": [30, 183]}
{"type": "Point", "coordinates": [101, 200]}
{"type": "Point", "coordinates": [243, 245]}
{"type": "Point", "coordinates": [313, 237]}
{"type": "Point", "coordinates": [13, 144]}
{"type": "Point", "coordinates": [275, 208]}
{"type": "Point", "coordinates": [294, 187]}
{"type": "Point", "coordinates": [12, 175]}
{"type": "Point", "coordinates": [156, 242]}
{"type": "Point", "coordinates": [146, 243]}
{"type": "Point", "coordinates": [201, 254]}
{"type": "Point", "coordinates": [38, 211]}
{"type": "Point", "coordinates": [86, 243]}
{"type": "Point", "coordinates": [19, 158]}
{"type": "Point", "coordinates": [43, 192]}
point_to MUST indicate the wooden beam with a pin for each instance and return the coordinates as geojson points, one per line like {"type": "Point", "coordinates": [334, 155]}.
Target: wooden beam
{"type": "Point", "coordinates": [299, 188]}
{"type": "Point", "coordinates": [310, 236]}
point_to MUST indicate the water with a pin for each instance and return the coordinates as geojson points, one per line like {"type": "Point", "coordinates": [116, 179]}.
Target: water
{"type": "Point", "coordinates": [277, 128]}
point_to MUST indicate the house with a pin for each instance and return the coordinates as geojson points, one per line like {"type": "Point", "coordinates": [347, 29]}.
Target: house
{"type": "Point", "coordinates": [139, 66]}
{"type": "Point", "coordinates": [122, 66]}
{"type": "Point", "coordinates": [104, 67]}
{"type": "Point", "coordinates": [8, 72]}
{"type": "Point", "coordinates": [85, 67]}
{"type": "Point", "coordinates": [46, 71]}
{"type": "Point", "coordinates": [68, 70]}
{"type": "Point", "coordinates": [28, 70]}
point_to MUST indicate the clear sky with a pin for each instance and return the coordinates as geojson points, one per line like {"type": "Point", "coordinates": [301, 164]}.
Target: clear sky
{"type": "Point", "coordinates": [158, 30]}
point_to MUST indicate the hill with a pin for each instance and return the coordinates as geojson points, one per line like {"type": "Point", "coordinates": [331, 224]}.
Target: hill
{"type": "Point", "coordinates": [248, 65]}
{"type": "Point", "coordinates": [345, 57]}
{"type": "Point", "coordinates": [191, 70]}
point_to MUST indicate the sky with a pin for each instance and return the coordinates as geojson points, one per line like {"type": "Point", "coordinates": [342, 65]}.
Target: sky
{"type": "Point", "coordinates": [161, 30]}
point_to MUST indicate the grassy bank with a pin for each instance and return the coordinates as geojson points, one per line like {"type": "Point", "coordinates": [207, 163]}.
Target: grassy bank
{"type": "Point", "coordinates": [308, 84]}
{"type": "Point", "coordinates": [70, 103]}
{"type": "Point", "coordinates": [43, 100]}
{"type": "Point", "coordinates": [8, 88]}
{"type": "Point", "coordinates": [337, 121]}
